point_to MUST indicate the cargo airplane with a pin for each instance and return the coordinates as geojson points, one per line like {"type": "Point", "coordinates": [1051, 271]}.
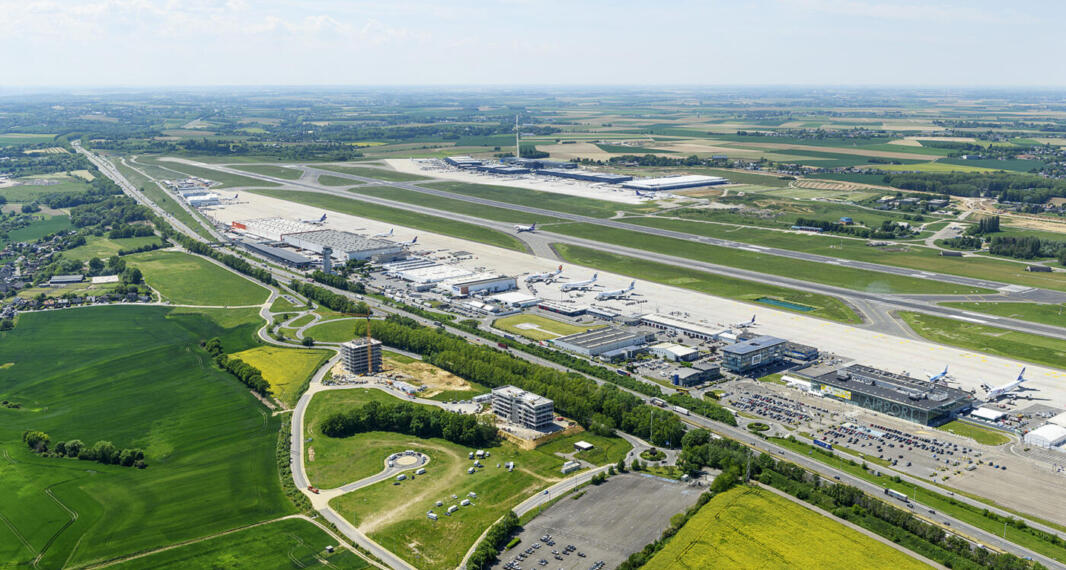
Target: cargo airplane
{"type": "Point", "coordinates": [579, 285]}
{"type": "Point", "coordinates": [534, 278]}
{"type": "Point", "coordinates": [520, 228]}
{"type": "Point", "coordinates": [317, 222]}
{"type": "Point", "coordinates": [605, 295]}
{"type": "Point", "coordinates": [1000, 391]}
{"type": "Point", "coordinates": [384, 234]}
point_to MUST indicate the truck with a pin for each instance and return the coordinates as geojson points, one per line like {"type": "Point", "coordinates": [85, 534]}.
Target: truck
{"type": "Point", "coordinates": [681, 410]}
{"type": "Point", "coordinates": [401, 477]}
{"type": "Point", "coordinates": [658, 402]}
{"type": "Point", "coordinates": [897, 495]}
{"type": "Point", "coordinates": [502, 345]}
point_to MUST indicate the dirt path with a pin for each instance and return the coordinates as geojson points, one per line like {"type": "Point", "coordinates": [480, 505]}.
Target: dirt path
{"type": "Point", "coordinates": [379, 520]}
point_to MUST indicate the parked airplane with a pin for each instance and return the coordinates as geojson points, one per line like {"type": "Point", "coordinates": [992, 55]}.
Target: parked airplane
{"type": "Point", "coordinates": [412, 242]}
{"type": "Point", "coordinates": [745, 324]}
{"type": "Point", "coordinates": [543, 276]}
{"type": "Point", "coordinates": [938, 376]}
{"type": "Point", "coordinates": [384, 234]}
{"type": "Point", "coordinates": [578, 285]}
{"type": "Point", "coordinates": [317, 222]}
{"type": "Point", "coordinates": [520, 228]}
{"type": "Point", "coordinates": [604, 295]}
{"type": "Point", "coordinates": [1000, 391]}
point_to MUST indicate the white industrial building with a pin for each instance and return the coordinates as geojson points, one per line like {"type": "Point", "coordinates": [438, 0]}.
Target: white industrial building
{"type": "Point", "coordinates": [490, 283]}
{"type": "Point", "coordinates": [523, 408]}
{"type": "Point", "coordinates": [201, 200]}
{"type": "Point", "coordinates": [987, 414]}
{"type": "Point", "coordinates": [271, 228]}
{"type": "Point", "coordinates": [674, 352]}
{"type": "Point", "coordinates": [668, 323]}
{"type": "Point", "coordinates": [605, 342]}
{"type": "Point", "coordinates": [1049, 435]}
{"type": "Point", "coordinates": [515, 299]}
{"type": "Point", "coordinates": [674, 182]}
{"type": "Point", "coordinates": [345, 245]}
{"type": "Point", "coordinates": [431, 274]}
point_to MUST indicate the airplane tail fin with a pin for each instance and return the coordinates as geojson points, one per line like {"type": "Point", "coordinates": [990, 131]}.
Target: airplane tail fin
{"type": "Point", "coordinates": [594, 276]}
{"type": "Point", "coordinates": [1021, 375]}
{"type": "Point", "coordinates": [632, 284]}
{"type": "Point", "coordinates": [323, 218]}
{"type": "Point", "coordinates": [413, 240]}
{"type": "Point", "coordinates": [753, 319]}
{"type": "Point", "coordinates": [533, 226]}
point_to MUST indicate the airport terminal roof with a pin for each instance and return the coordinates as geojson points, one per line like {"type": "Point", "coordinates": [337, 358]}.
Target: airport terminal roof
{"type": "Point", "coordinates": [888, 386]}
{"type": "Point", "coordinates": [753, 345]}
{"type": "Point", "coordinates": [672, 182]}
{"type": "Point", "coordinates": [670, 322]}
{"type": "Point", "coordinates": [344, 241]}
{"type": "Point", "coordinates": [278, 252]}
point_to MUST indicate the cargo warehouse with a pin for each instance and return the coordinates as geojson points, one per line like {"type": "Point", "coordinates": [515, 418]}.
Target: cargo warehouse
{"type": "Point", "coordinates": [897, 395]}
{"type": "Point", "coordinates": [585, 175]}
{"type": "Point", "coordinates": [670, 324]}
{"type": "Point", "coordinates": [277, 254]}
{"type": "Point", "coordinates": [674, 182]}
{"type": "Point", "coordinates": [345, 245]}
{"type": "Point", "coordinates": [601, 341]}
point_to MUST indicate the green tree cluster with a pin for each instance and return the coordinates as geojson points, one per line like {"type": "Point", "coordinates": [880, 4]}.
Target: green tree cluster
{"type": "Point", "coordinates": [411, 419]}
{"type": "Point", "coordinates": [486, 552]}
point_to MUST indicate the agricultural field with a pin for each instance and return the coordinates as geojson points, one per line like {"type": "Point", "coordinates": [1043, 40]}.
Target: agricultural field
{"type": "Point", "coordinates": [24, 138]}
{"type": "Point", "coordinates": [400, 217]}
{"type": "Point", "coordinates": [755, 528]}
{"type": "Point", "coordinates": [72, 513]}
{"type": "Point", "coordinates": [369, 172]}
{"type": "Point", "coordinates": [31, 188]}
{"type": "Point", "coordinates": [937, 166]}
{"type": "Point", "coordinates": [1035, 312]}
{"type": "Point", "coordinates": [186, 279]}
{"type": "Point", "coordinates": [104, 248]}
{"type": "Point", "coordinates": [286, 369]}
{"type": "Point", "coordinates": [537, 327]}
{"type": "Point", "coordinates": [272, 170]}
{"type": "Point", "coordinates": [718, 285]}
{"type": "Point", "coordinates": [287, 543]}
{"type": "Point", "coordinates": [39, 229]}
{"type": "Point", "coordinates": [989, 340]}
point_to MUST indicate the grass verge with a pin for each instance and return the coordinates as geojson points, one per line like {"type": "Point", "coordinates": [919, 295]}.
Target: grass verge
{"type": "Point", "coordinates": [990, 340]}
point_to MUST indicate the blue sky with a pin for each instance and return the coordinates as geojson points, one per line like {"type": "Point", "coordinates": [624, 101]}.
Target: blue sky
{"type": "Point", "coordinates": [544, 42]}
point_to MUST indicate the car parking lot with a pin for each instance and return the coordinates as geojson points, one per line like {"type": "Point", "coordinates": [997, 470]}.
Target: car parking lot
{"type": "Point", "coordinates": [602, 527]}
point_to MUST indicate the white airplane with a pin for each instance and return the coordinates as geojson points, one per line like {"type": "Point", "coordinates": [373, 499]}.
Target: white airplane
{"type": "Point", "coordinates": [938, 376]}
{"type": "Point", "coordinates": [412, 242]}
{"type": "Point", "coordinates": [604, 295]}
{"type": "Point", "coordinates": [317, 222]}
{"type": "Point", "coordinates": [1000, 391]}
{"type": "Point", "coordinates": [578, 285]}
{"type": "Point", "coordinates": [745, 324]}
{"type": "Point", "coordinates": [235, 196]}
{"type": "Point", "coordinates": [543, 276]}
{"type": "Point", "coordinates": [520, 228]}
{"type": "Point", "coordinates": [384, 234]}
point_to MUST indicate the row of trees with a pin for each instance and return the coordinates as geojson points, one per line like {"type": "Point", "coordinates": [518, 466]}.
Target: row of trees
{"type": "Point", "coordinates": [1026, 247]}
{"type": "Point", "coordinates": [102, 451]}
{"type": "Point", "coordinates": [600, 408]}
{"type": "Point", "coordinates": [888, 230]}
{"type": "Point", "coordinates": [338, 281]}
{"type": "Point", "coordinates": [485, 554]}
{"type": "Point", "coordinates": [411, 419]}
{"type": "Point", "coordinates": [986, 225]}
{"type": "Point", "coordinates": [329, 299]}
{"type": "Point", "coordinates": [249, 375]}
{"type": "Point", "coordinates": [1005, 186]}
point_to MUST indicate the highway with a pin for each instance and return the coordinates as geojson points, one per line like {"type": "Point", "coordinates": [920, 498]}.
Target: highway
{"type": "Point", "coordinates": [876, 307]}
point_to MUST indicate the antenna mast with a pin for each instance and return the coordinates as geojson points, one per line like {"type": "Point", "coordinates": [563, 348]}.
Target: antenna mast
{"type": "Point", "coordinates": [517, 144]}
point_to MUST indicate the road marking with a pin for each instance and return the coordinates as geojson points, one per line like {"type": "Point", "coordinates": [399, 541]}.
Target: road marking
{"type": "Point", "coordinates": [961, 318]}
{"type": "Point", "coordinates": [980, 315]}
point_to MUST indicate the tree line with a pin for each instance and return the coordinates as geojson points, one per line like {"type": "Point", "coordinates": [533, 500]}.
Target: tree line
{"type": "Point", "coordinates": [1026, 247]}
{"type": "Point", "coordinates": [411, 419]}
{"type": "Point", "coordinates": [599, 408]}
{"type": "Point", "coordinates": [338, 281]}
{"type": "Point", "coordinates": [102, 451]}
{"type": "Point", "coordinates": [485, 554]}
{"type": "Point", "coordinates": [249, 375]}
{"type": "Point", "coordinates": [329, 299]}
{"type": "Point", "coordinates": [889, 229]}
{"type": "Point", "coordinates": [1005, 186]}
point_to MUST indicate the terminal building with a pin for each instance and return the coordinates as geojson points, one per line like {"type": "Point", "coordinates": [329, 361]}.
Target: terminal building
{"type": "Point", "coordinates": [602, 342]}
{"type": "Point", "coordinates": [753, 353]}
{"type": "Point", "coordinates": [523, 408]}
{"type": "Point", "coordinates": [463, 161]}
{"type": "Point", "coordinates": [585, 175]}
{"type": "Point", "coordinates": [670, 324]}
{"type": "Point", "coordinates": [358, 360]}
{"type": "Point", "coordinates": [345, 245]}
{"type": "Point", "coordinates": [277, 254]}
{"type": "Point", "coordinates": [907, 398]}
{"type": "Point", "coordinates": [479, 284]}
{"type": "Point", "coordinates": [674, 182]}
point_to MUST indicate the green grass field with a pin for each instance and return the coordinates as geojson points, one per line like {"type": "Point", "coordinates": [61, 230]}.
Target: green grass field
{"type": "Point", "coordinates": [186, 279]}
{"type": "Point", "coordinates": [335, 330]}
{"type": "Point", "coordinates": [286, 369]}
{"type": "Point", "coordinates": [104, 248]}
{"type": "Point", "coordinates": [63, 184]}
{"type": "Point", "coordinates": [328, 180]}
{"type": "Point", "coordinates": [452, 205]}
{"type": "Point", "coordinates": [271, 170]}
{"type": "Point", "coordinates": [132, 375]}
{"type": "Point", "coordinates": [840, 276]}
{"type": "Point", "coordinates": [933, 167]}
{"type": "Point", "coordinates": [24, 138]}
{"type": "Point", "coordinates": [1035, 312]}
{"type": "Point", "coordinates": [977, 433]}
{"type": "Point", "coordinates": [990, 340]}
{"type": "Point", "coordinates": [547, 200]}
{"type": "Point", "coordinates": [226, 179]}
{"type": "Point", "coordinates": [397, 216]}
{"type": "Point", "coordinates": [369, 172]}
{"type": "Point", "coordinates": [288, 543]}
{"type": "Point", "coordinates": [755, 528]}
{"type": "Point", "coordinates": [709, 283]}
{"type": "Point", "coordinates": [37, 230]}
{"type": "Point", "coordinates": [537, 327]}
{"type": "Point", "coordinates": [281, 305]}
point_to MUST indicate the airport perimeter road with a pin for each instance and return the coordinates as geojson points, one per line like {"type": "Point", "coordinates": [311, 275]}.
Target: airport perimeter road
{"type": "Point", "coordinates": [877, 317]}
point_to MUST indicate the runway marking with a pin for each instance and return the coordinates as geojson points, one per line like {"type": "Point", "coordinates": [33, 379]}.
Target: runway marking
{"type": "Point", "coordinates": [979, 321]}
